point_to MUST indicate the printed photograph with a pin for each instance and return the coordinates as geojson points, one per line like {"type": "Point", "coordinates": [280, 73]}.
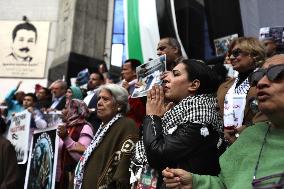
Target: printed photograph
{"type": "Point", "coordinates": [42, 161]}
{"type": "Point", "coordinates": [148, 75]}
{"type": "Point", "coordinates": [222, 44]}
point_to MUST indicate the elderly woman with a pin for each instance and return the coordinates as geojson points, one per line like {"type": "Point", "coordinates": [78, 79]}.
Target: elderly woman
{"type": "Point", "coordinates": [75, 132]}
{"type": "Point", "coordinates": [106, 161]}
{"type": "Point", "coordinates": [260, 164]}
{"type": "Point", "coordinates": [236, 97]}
{"type": "Point", "coordinates": [188, 134]}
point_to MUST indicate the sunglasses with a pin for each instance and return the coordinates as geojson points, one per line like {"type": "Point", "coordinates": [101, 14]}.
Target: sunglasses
{"type": "Point", "coordinates": [237, 52]}
{"type": "Point", "coordinates": [272, 73]}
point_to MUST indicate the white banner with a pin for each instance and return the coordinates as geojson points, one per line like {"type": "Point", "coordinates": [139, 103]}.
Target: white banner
{"type": "Point", "coordinates": [19, 133]}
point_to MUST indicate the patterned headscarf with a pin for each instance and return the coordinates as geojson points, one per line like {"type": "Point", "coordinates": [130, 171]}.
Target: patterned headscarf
{"type": "Point", "coordinates": [77, 112]}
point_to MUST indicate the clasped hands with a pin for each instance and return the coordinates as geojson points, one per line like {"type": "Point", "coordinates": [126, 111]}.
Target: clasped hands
{"type": "Point", "coordinates": [156, 102]}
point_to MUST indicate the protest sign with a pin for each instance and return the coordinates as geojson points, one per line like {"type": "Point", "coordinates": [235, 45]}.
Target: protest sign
{"type": "Point", "coordinates": [19, 133]}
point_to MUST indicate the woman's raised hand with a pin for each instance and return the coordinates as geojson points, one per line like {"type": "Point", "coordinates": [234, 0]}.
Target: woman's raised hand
{"type": "Point", "coordinates": [156, 102]}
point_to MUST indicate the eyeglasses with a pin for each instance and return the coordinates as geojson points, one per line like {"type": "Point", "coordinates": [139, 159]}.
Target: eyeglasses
{"type": "Point", "coordinates": [272, 73]}
{"type": "Point", "coordinates": [269, 182]}
{"type": "Point", "coordinates": [237, 52]}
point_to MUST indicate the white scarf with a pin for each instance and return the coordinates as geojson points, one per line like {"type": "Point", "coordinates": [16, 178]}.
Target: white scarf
{"type": "Point", "coordinates": [79, 171]}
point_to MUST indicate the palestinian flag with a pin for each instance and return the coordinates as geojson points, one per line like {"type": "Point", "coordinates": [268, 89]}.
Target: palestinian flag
{"type": "Point", "coordinates": [146, 21]}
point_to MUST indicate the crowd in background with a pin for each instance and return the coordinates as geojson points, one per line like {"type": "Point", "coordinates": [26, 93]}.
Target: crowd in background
{"type": "Point", "coordinates": [199, 129]}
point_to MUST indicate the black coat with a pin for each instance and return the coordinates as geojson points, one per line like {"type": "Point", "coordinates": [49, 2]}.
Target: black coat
{"type": "Point", "coordinates": [61, 104]}
{"type": "Point", "coordinates": [186, 148]}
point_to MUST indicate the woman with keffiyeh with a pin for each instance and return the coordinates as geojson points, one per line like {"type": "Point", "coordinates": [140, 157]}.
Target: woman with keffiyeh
{"type": "Point", "coordinates": [106, 161]}
{"type": "Point", "coordinates": [236, 97]}
{"type": "Point", "coordinates": [186, 132]}
{"type": "Point", "coordinates": [74, 133]}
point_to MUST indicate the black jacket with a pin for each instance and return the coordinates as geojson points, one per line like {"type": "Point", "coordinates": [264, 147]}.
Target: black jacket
{"type": "Point", "coordinates": [186, 148]}
{"type": "Point", "coordinates": [61, 104]}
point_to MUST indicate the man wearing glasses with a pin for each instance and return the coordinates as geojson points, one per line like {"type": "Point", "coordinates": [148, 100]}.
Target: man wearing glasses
{"type": "Point", "coordinates": [256, 159]}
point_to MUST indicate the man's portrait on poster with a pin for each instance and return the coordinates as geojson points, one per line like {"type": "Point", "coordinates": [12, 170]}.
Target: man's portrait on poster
{"type": "Point", "coordinates": [24, 48]}
{"type": "Point", "coordinates": [24, 38]}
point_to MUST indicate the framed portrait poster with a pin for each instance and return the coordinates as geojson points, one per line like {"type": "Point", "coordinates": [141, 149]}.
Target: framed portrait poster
{"type": "Point", "coordinates": [23, 49]}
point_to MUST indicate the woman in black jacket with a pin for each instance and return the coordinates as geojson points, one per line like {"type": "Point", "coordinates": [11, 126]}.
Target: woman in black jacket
{"type": "Point", "coordinates": [185, 132]}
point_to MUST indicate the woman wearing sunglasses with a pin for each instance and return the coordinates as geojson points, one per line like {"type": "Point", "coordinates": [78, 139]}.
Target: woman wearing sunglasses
{"type": "Point", "coordinates": [256, 160]}
{"type": "Point", "coordinates": [236, 96]}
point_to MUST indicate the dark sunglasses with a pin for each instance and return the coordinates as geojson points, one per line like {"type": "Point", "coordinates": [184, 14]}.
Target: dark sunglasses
{"type": "Point", "coordinates": [272, 73]}
{"type": "Point", "coordinates": [237, 52]}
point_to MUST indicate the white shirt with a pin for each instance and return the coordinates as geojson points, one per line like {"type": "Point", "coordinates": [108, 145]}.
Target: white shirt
{"type": "Point", "coordinates": [89, 96]}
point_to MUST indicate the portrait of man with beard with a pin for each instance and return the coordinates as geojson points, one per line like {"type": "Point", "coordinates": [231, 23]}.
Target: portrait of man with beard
{"type": "Point", "coordinates": [24, 38]}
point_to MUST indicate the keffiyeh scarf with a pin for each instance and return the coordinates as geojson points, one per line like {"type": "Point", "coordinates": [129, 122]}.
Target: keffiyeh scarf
{"type": "Point", "coordinates": [243, 87]}
{"type": "Point", "coordinates": [201, 109]}
{"type": "Point", "coordinates": [79, 171]}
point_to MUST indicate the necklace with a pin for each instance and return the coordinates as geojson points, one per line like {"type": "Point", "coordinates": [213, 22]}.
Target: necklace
{"type": "Point", "coordinates": [260, 152]}
{"type": "Point", "coordinates": [262, 183]}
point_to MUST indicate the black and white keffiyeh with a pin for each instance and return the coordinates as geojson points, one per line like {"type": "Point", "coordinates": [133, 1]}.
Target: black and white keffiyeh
{"type": "Point", "coordinates": [79, 171]}
{"type": "Point", "coordinates": [201, 109]}
{"type": "Point", "coordinates": [243, 88]}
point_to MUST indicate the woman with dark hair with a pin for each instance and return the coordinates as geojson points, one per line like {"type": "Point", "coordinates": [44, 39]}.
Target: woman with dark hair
{"type": "Point", "coordinates": [256, 159]}
{"type": "Point", "coordinates": [187, 131]}
{"type": "Point", "coordinates": [106, 161]}
{"type": "Point", "coordinates": [8, 161]}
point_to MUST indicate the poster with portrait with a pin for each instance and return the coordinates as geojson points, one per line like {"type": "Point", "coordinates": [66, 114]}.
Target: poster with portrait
{"type": "Point", "coordinates": [222, 44]}
{"type": "Point", "coordinates": [41, 169]}
{"type": "Point", "coordinates": [148, 75]}
{"type": "Point", "coordinates": [19, 133]}
{"type": "Point", "coordinates": [23, 49]}
{"type": "Point", "coordinates": [275, 33]}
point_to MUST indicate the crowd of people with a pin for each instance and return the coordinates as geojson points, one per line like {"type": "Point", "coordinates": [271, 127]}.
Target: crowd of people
{"type": "Point", "coordinates": [198, 129]}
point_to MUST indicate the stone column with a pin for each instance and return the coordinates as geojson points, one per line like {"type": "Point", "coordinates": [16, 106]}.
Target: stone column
{"type": "Point", "coordinates": [81, 37]}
